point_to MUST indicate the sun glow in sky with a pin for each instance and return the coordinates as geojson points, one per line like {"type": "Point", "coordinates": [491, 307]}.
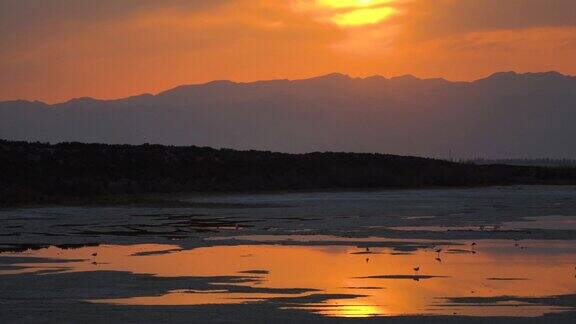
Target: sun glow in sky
{"type": "Point", "coordinates": [352, 3]}
{"type": "Point", "coordinates": [346, 13]}
{"type": "Point", "coordinates": [54, 50]}
{"type": "Point", "coordinates": [361, 17]}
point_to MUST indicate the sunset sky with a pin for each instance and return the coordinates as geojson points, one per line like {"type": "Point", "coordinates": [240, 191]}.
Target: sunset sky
{"type": "Point", "coordinates": [53, 50]}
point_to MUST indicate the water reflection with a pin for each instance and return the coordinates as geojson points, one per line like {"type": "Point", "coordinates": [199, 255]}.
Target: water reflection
{"type": "Point", "coordinates": [337, 280]}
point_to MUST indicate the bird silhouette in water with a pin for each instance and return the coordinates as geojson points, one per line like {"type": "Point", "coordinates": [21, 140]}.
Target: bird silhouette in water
{"type": "Point", "coordinates": [416, 278]}
{"type": "Point", "coordinates": [439, 260]}
{"type": "Point", "coordinates": [94, 255]}
{"type": "Point", "coordinates": [438, 252]}
{"type": "Point", "coordinates": [367, 249]}
{"type": "Point", "coordinates": [367, 260]}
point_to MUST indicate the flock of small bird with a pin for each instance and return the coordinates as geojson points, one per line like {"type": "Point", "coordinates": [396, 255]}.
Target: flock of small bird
{"type": "Point", "coordinates": [416, 269]}
{"type": "Point", "coordinates": [438, 251]}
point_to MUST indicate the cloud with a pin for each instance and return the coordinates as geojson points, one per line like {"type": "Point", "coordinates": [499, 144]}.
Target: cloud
{"type": "Point", "coordinates": [57, 49]}
{"type": "Point", "coordinates": [25, 12]}
{"type": "Point", "coordinates": [24, 21]}
{"type": "Point", "coordinates": [429, 19]}
{"type": "Point", "coordinates": [150, 50]}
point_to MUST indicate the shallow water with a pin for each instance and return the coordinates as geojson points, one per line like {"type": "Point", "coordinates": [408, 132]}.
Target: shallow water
{"type": "Point", "coordinates": [551, 222]}
{"type": "Point", "coordinates": [294, 255]}
{"type": "Point", "coordinates": [363, 281]}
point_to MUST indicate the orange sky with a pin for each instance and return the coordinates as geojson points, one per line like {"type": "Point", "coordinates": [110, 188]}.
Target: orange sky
{"type": "Point", "coordinates": [53, 50]}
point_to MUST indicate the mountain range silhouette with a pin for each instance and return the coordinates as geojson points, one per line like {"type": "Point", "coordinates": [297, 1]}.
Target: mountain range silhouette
{"type": "Point", "coordinates": [507, 114]}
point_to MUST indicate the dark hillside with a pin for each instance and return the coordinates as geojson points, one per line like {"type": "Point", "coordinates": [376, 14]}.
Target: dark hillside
{"type": "Point", "coordinates": [37, 172]}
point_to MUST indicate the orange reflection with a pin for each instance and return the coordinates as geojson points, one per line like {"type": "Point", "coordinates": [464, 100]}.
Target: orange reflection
{"type": "Point", "coordinates": [378, 282]}
{"type": "Point", "coordinates": [351, 309]}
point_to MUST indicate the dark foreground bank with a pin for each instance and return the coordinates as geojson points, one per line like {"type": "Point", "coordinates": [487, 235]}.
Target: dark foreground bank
{"type": "Point", "coordinates": [41, 173]}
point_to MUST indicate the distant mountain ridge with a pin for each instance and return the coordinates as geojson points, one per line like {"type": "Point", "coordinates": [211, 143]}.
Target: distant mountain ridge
{"type": "Point", "coordinates": [506, 115]}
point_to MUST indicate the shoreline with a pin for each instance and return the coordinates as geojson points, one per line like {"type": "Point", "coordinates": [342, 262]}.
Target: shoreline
{"type": "Point", "coordinates": [169, 199]}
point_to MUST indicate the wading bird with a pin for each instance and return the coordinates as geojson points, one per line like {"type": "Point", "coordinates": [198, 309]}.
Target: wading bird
{"type": "Point", "coordinates": [438, 252]}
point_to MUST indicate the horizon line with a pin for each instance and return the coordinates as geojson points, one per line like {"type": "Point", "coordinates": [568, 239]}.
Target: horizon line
{"type": "Point", "coordinates": [333, 74]}
{"type": "Point", "coordinates": [454, 158]}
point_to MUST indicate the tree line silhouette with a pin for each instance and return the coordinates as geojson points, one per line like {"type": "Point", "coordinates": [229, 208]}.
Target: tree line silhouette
{"type": "Point", "coordinates": [546, 162]}
{"type": "Point", "coordinates": [41, 173]}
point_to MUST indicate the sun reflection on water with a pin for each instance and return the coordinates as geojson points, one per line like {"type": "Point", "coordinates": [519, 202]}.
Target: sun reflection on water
{"type": "Point", "coordinates": [352, 309]}
{"type": "Point", "coordinates": [341, 281]}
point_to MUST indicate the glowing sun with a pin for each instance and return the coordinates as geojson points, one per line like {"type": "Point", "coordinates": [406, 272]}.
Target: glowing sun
{"type": "Point", "coordinates": [352, 3]}
{"type": "Point", "coordinates": [358, 12]}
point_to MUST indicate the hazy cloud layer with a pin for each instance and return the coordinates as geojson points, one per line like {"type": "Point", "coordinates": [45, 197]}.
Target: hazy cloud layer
{"type": "Point", "coordinates": [442, 17]}
{"type": "Point", "coordinates": [57, 49]}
